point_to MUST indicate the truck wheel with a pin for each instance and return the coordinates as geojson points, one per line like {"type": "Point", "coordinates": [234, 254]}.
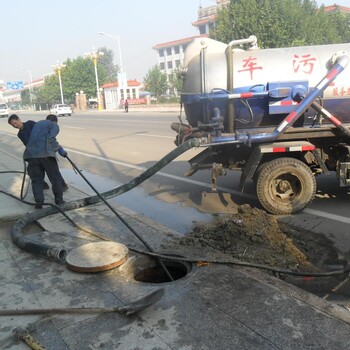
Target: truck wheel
{"type": "Point", "coordinates": [285, 186]}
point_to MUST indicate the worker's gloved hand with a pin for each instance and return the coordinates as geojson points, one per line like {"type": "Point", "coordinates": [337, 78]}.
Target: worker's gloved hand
{"type": "Point", "coordinates": [62, 152]}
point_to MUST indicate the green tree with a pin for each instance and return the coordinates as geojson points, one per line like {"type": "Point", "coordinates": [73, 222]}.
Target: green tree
{"type": "Point", "coordinates": [280, 23]}
{"type": "Point", "coordinates": [79, 75]}
{"type": "Point", "coordinates": [340, 22]}
{"type": "Point", "coordinates": [106, 61]}
{"type": "Point", "coordinates": [176, 80]}
{"type": "Point", "coordinates": [25, 97]}
{"type": "Point", "coordinates": [156, 82]}
{"type": "Point", "coordinates": [42, 98]}
{"type": "Point", "coordinates": [49, 94]}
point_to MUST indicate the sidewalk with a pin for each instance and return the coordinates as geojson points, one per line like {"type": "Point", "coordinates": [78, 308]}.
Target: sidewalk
{"type": "Point", "coordinates": [206, 307]}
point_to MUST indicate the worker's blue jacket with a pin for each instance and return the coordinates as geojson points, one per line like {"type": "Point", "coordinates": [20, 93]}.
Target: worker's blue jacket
{"type": "Point", "coordinates": [42, 141]}
{"type": "Point", "coordinates": [24, 133]}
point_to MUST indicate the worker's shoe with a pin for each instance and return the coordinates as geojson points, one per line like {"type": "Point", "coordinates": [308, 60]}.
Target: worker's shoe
{"type": "Point", "coordinates": [59, 201]}
{"type": "Point", "coordinates": [64, 187]}
{"type": "Point", "coordinates": [38, 206]}
{"type": "Point", "coordinates": [46, 186]}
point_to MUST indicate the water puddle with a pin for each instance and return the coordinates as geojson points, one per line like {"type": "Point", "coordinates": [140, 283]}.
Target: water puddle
{"type": "Point", "coordinates": [171, 215]}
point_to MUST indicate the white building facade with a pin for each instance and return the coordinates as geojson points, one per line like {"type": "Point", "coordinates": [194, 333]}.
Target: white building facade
{"type": "Point", "coordinates": [171, 54]}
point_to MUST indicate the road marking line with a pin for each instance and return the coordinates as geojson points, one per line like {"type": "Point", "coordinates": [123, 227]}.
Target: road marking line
{"type": "Point", "coordinates": [71, 127]}
{"type": "Point", "coordinates": [159, 136]}
{"type": "Point", "coordinates": [328, 215]}
{"type": "Point", "coordinates": [123, 120]}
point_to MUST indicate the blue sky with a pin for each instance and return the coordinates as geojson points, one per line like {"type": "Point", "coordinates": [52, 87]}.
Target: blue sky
{"type": "Point", "coordinates": [38, 33]}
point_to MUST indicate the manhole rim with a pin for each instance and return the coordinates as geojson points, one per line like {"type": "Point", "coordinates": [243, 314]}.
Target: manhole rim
{"type": "Point", "coordinates": [129, 268]}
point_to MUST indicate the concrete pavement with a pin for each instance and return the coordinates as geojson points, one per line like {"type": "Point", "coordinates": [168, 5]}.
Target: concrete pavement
{"type": "Point", "coordinates": [208, 306]}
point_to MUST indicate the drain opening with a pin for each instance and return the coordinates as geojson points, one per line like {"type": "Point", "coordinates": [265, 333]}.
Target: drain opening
{"type": "Point", "coordinates": [155, 274]}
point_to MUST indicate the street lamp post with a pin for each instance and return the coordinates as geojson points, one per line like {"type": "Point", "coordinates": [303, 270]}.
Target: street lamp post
{"type": "Point", "coordinates": [57, 68]}
{"type": "Point", "coordinates": [122, 80]}
{"type": "Point", "coordinates": [119, 49]}
{"type": "Point", "coordinates": [95, 56]}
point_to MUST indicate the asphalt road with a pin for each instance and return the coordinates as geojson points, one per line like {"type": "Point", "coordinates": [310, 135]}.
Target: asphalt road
{"type": "Point", "coordinates": [113, 147]}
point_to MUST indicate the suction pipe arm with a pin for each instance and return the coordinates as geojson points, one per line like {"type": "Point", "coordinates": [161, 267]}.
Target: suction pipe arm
{"type": "Point", "coordinates": [251, 40]}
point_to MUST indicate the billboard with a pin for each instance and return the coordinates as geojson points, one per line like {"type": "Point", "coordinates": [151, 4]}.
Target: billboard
{"type": "Point", "coordinates": [14, 85]}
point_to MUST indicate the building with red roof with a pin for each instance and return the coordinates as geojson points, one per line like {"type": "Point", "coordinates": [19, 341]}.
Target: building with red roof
{"type": "Point", "coordinates": [207, 16]}
{"type": "Point", "coordinates": [115, 94]}
{"type": "Point", "coordinates": [335, 8]}
{"type": "Point", "coordinates": [171, 53]}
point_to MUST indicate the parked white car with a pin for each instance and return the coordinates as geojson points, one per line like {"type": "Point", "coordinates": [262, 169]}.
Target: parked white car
{"type": "Point", "coordinates": [61, 110]}
{"type": "Point", "coordinates": [4, 110]}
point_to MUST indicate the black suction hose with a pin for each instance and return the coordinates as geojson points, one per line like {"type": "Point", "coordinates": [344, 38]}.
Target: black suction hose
{"type": "Point", "coordinates": [24, 172]}
{"type": "Point", "coordinates": [59, 253]}
{"type": "Point", "coordinates": [121, 219]}
{"type": "Point", "coordinates": [23, 195]}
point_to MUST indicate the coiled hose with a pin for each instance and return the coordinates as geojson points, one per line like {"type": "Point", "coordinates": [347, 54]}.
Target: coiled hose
{"type": "Point", "coordinates": [59, 253]}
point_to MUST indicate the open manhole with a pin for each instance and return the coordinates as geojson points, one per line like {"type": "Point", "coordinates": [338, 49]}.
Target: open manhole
{"type": "Point", "coordinates": [157, 274]}
{"type": "Point", "coordinates": [148, 270]}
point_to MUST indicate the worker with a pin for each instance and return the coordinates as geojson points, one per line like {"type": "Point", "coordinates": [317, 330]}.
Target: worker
{"type": "Point", "coordinates": [24, 131]}
{"type": "Point", "coordinates": [41, 157]}
{"type": "Point", "coordinates": [24, 128]}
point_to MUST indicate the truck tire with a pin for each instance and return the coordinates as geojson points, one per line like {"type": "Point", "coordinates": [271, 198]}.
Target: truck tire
{"type": "Point", "coordinates": [285, 186]}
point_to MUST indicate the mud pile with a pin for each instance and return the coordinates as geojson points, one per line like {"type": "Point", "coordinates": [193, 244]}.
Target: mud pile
{"type": "Point", "coordinates": [254, 236]}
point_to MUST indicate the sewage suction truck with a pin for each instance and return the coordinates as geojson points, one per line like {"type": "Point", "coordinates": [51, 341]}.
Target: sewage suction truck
{"type": "Point", "coordinates": [280, 116]}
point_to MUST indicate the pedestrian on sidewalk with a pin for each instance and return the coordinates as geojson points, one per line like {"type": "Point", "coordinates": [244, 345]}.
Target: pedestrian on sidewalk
{"type": "Point", "coordinates": [40, 153]}
{"type": "Point", "coordinates": [24, 131]}
{"type": "Point", "coordinates": [126, 105]}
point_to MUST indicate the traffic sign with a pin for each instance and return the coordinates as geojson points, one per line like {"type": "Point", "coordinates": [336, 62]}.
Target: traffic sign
{"type": "Point", "coordinates": [14, 85]}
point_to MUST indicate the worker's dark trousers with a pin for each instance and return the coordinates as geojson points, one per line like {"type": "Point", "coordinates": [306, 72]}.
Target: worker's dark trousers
{"type": "Point", "coordinates": [37, 167]}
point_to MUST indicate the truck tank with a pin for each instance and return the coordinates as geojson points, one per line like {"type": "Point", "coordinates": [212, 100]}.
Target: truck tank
{"type": "Point", "coordinates": [279, 116]}
{"type": "Point", "coordinates": [258, 88]}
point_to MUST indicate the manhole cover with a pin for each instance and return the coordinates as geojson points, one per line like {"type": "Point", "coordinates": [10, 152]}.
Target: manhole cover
{"type": "Point", "coordinates": [97, 256]}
